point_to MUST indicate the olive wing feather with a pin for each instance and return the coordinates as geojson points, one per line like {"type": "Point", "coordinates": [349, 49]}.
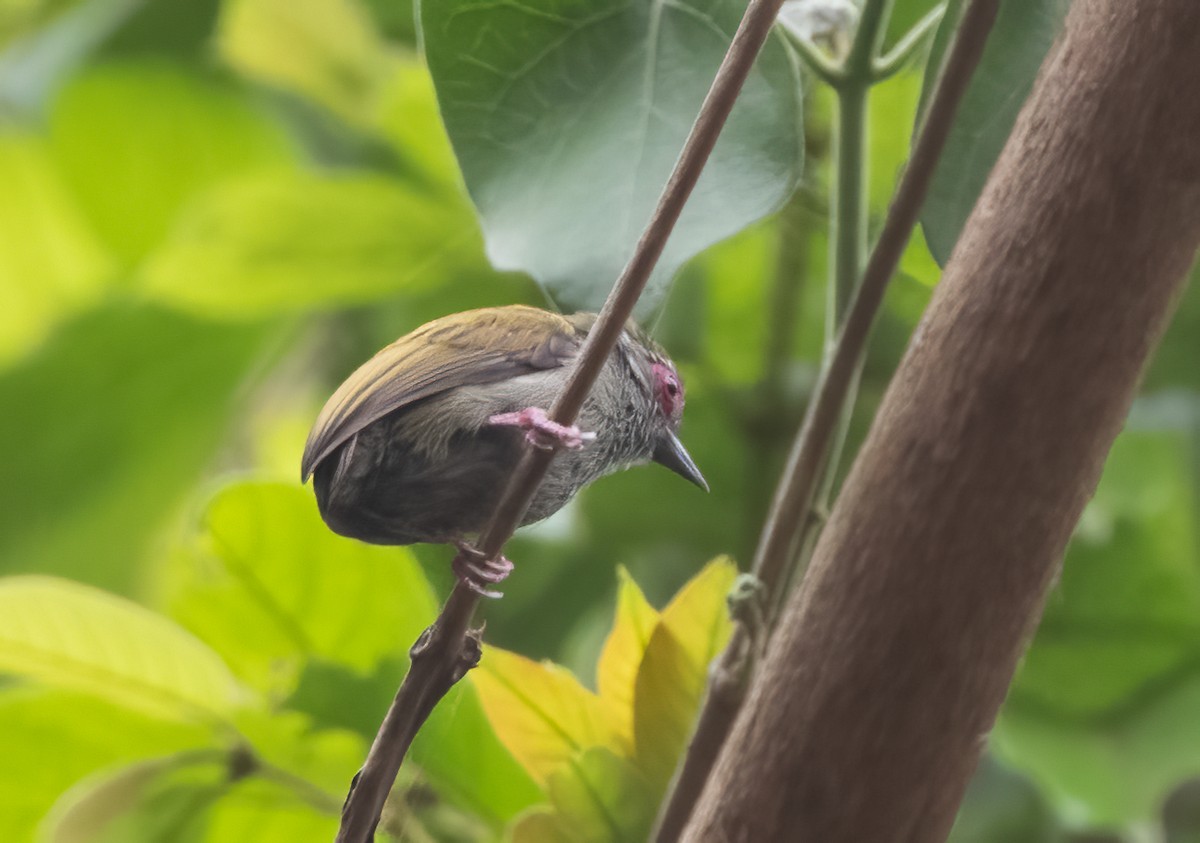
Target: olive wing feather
{"type": "Point", "coordinates": [471, 348]}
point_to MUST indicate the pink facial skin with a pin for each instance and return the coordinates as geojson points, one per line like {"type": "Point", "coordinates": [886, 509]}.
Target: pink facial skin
{"type": "Point", "coordinates": [668, 390]}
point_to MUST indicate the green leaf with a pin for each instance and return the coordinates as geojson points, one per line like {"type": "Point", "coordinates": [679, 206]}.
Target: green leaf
{"type": "Point", "coordinates": [336, 696]}
{"type": "Point", "coordinates": [540, 711]}
{"type": "Point", "coordinates": [1020, 39]}
{"type": "Point", "coordinates": [464, 758]}
{"type": "Point", "coordinates": [905, 14]}
{"type": "Point", "coordinates": [891, 105]}
{"type": "Point", "coordinates": [73, 636]}
{"type": "Point", "coordinates": [84, 812]}
{"type": "Point", "coordinates": [288, 242]}
{"type": "Point", "coordinates": [1003, 807]}
{"type": "Point", "coordinates": [51, 263]}
{"type": "Point", "coordinates": [263, 812]}
{"type": "Point", "coordinates": [172, 28]}
{"type": "Point", "coordinates": [409, 118]}
{"type": "Point", "coordinates": [539, 825]}
{"type": "Point", "coordinates": [617, 670]}
{"type": "Point", "coordinates": [22, 17]}
{"type": "Point", "coordinates": [326, 50]}
{"type": "Point", "coordinates": [568, 117]}
{"type": "Point", "coordinates": [1102, 714]}
{"type": "Point", "coordinates": [1174, 363]}
{"type": "Point", "coordinates": [456, 750]}
{"type": "Point", "coordinates": [290, 750]}
{"type": "Point", "coordinates": [54, 738]}
{"type": "Point", "coordinates": [112, 806]}
{"type": "Point", "coordinates": [196, 802]}
{"type": "Point", "coordinates": [1114, 775]}
{"type": "Point", "coordinates": [731, 285]}
{"type": "Point", "coordinates": [265, 561]}
{"type": "Point", "coordinates": [110, 422]}
{"type": "Point", "coordinates": [396, 19]}
{"type": "Point", "coordinates": [601, 798]}
{"type": "Point", "coordinates": [333, 619]}
{"type": "Point", "coordinates": [136, 139]}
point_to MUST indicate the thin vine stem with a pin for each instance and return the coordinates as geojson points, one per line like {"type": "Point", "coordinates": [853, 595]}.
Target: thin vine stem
{"type": "Point", "coordinates": [848, 221]}
{"type": "Point", "coordinates": [802, 475]}
{"type": "Point", "coordinates": [450, 648]}
{"type": "Point", "coordinates": [793, 503]}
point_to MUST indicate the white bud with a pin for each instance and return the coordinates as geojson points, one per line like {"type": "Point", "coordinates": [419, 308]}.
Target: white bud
{"type": "Point", "coordinates": [828, 24]}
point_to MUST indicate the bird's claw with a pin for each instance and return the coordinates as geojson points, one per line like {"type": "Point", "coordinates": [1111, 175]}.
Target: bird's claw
{"type": "Point", "coordinates": [543, 432]}
{"type": "Point", "coordinates": [477, 572]}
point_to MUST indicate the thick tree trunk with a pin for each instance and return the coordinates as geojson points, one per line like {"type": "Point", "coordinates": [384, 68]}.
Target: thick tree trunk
{"type": "Point", "coordinates": [890, 663]}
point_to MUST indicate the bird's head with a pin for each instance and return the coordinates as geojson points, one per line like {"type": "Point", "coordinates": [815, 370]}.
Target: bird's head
{"type": "Point", "coordinates": [668, 395]}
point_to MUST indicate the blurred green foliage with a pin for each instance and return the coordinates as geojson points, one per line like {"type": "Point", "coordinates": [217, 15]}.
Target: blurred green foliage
{"type": "Point", "coordinates": [213, 211]}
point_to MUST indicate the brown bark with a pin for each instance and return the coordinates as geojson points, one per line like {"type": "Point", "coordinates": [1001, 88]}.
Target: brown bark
{"type": "Point", "coordinates": [890, 663]}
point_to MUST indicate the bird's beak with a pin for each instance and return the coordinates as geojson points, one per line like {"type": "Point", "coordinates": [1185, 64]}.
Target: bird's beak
{"type": "Point", "coordinates": [671, 453]}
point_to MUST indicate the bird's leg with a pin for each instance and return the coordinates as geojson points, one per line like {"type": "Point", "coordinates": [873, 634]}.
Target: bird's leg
{"type": "Point", "coordinates": [476, 571]}
{"type": "Point", "coordinates": [543, 432]}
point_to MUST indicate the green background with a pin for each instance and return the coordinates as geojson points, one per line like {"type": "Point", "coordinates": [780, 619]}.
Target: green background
{"type": "Point", "coordinates": [212, 212]}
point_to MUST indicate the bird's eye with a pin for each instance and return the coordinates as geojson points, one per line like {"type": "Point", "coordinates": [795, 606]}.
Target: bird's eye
{"type": "Point", "coordinates": [667, 390]}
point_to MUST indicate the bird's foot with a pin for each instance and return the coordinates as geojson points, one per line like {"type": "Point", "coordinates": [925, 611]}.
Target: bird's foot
{"type": "Point", "coordinates": [543, 432]}
{"type": "Point", "coordinates": [477, 572]}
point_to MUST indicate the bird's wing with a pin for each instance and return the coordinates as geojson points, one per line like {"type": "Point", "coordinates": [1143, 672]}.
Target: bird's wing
{"type": "Point", "coordinates": [475, 347]}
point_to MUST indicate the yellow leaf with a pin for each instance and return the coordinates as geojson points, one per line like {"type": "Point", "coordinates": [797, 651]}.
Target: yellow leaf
{"type": "Point", "coordinates": [698, 616]}
{"type": "Point", "coordinates": [616, 673]}
{"type": "Point", "coordinates": [540, 711]}
{"type": "Point", "coordinates": [665, 703]}
{"type": "Point", "coordinates": [670, 681]}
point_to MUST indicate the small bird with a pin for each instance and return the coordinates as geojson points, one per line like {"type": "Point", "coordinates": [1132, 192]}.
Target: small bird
{"type": "Point", "coordinates": [418, 444]}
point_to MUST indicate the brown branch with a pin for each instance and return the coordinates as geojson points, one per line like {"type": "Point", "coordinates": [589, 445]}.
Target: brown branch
{"type": "Point", "coordinates": [802, 475]}
{"type": "Point", "coordinates": [448, 649]}
{"type": "Point", "coordinates": [890, 663]}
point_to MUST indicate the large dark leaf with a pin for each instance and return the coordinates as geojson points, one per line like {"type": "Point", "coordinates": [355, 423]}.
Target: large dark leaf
{"type": "Point", "coordinates": [1019, 41]}
{"type": "Point", "coordinates": [567, 118]}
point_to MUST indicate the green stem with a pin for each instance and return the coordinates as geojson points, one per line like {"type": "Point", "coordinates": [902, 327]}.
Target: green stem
{"type": "Point", "coordinates": [307, 791]}
{"type": "Point", "coordinates": [868, 40]}
{"type": "Point", "coordinates": [848, 211]}
{"type": "Point", "coordinates": [887, 66]}
{"type": "Point", "coordinates": [848, 214]}
{"type": "Point", "coordinates": [848, 249]}
{"type": "Point", "coordinates": [821, 65]}
{"type": "Point", "coordinates": [848, 221]}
